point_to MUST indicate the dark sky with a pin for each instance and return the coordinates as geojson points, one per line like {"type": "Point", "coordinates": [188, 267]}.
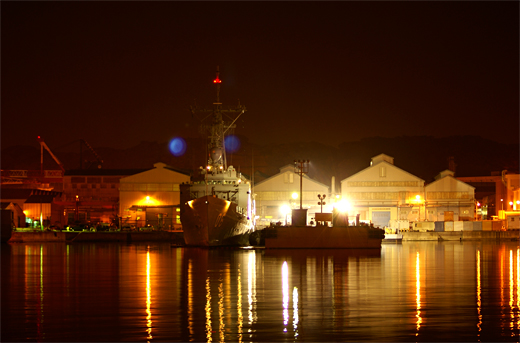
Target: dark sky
{"type": "Point", "coordinates": [118, 73]}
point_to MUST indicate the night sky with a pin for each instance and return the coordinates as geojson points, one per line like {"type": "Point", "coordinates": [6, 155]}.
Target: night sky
{"type": "Point", "coordinates": [118, 73]}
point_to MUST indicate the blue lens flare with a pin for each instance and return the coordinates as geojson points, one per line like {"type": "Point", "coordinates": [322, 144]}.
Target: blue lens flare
{"type": "Point", "coordinates": [178, 146]}
{"type": "Point", "coordinates": [232, 143]}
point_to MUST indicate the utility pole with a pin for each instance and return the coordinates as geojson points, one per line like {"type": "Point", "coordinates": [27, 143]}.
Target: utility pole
{"type": "Point", "coordinates": [301, 167]}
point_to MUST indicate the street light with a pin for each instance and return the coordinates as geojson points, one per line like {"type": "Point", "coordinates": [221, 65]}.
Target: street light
{"type": "Point", "coordinates": [321, 202]}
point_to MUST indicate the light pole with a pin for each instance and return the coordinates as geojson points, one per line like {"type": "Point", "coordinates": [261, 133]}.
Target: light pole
{"type": "Point", "coordinates": [321, 202]}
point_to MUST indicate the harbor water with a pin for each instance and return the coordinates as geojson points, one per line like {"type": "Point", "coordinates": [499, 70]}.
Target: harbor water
{"type": "Point", "coordinates": [145, 292]}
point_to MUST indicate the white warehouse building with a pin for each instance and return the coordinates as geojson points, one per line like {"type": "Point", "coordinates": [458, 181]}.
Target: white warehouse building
{"type": "Point", "coordinates": [388, 196]}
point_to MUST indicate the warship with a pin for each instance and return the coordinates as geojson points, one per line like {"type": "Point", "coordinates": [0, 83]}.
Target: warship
{"type": "Point", "coordinates": [216, 206]}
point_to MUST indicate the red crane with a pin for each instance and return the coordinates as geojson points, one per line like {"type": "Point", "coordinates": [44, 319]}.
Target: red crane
{"type": "Point", "coordinates": [43, 145]}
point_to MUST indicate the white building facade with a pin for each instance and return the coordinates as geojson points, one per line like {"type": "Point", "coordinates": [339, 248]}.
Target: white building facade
{"type": "Point", "coordinates": [449, 199]}
{"type": "Point", "coordinates": [383, 192]}
{"type": "Point", "coordinates": [277, 195]}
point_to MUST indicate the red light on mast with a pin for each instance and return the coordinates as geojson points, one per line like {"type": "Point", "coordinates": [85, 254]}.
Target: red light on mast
{"type": "Point", "coordinates": [217, 80]}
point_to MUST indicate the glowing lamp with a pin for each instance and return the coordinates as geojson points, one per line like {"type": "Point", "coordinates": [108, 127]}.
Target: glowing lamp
{"type": "Point", "coordinates": [343, 206]}
{"type": "Point", "coordinates": [285, 209]}
{"type": "Point", "coordinates": [295, 195]}
{"type": "Point", "coordinates": [217, 80]}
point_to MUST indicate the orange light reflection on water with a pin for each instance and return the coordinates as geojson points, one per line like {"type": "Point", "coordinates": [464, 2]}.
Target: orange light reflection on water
{"type": "Point", "coordinates": [418, 292]}
{"type": "Point", "coordinates": [240, 319]}
{"type": "Point", "coordinates": [148, 298]}
{"type": "Point", "coordinates": [479, 296]}
{"type": "Point", "coordinates": [518, 288]}
{"type": "Point", "coordinates": [208, 310]}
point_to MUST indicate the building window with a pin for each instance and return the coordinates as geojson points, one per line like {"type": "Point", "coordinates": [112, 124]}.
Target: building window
{"type": "Point", "coordinates": [382, 171]}
{"type": "Point", "coordinates": [288, 177]}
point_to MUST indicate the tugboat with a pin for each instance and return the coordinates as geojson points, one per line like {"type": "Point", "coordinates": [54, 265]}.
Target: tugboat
{"type": "Point", "coordinates": [216, 206]}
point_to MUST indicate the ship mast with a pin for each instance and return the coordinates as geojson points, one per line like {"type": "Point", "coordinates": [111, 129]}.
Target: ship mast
{"type": "Point", "coordinates": [216, 146]}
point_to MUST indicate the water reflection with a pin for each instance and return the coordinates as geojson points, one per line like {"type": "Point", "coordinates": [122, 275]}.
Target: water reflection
{"type": "Point", "coordinates": [418, 292]}
{"type": "Point", "coordinates": [148, 298]}
{"type": "Point", "coordinates": [130, 292]}
{"type": "Point", "coordinates": [295, 312]}
{"type": "Point", "coordinates": [251, 288]}
{"type": "Point", "coordinates": [479, 296]}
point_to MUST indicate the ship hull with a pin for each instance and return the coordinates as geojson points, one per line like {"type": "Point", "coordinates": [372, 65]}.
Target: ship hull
{"type": "Point", "coordinates": [350, 237]}
{"type": "Point", "coordinates": [211, 221]}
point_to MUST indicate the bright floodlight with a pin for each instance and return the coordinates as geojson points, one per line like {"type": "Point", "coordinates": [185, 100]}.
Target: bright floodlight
{"type": "Point", "coordinates": [295, 195]}
{"type": "Point", "coordinates": [343, 206]}
{"type": "Point", "coordinates": [285, 209]}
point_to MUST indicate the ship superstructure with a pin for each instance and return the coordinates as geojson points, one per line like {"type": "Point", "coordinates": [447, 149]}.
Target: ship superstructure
{"type": "Point", "coordinates": [216, 207]}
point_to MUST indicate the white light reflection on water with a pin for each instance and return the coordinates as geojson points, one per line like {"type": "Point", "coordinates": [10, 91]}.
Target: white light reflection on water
{"type": "Point", "coordinates": [285, 292]}
{"type": "Point", "coordinates": [418, 292]}
{"type": "Point", "coordinates": [148, 298]}
{"type": "Point", "coordinates": [251, 288]}
{"type": "Point", "coordinates": [295, 312]}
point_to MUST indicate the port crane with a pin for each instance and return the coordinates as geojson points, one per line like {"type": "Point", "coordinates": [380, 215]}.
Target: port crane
{"type": "Point", "coordinates": [43, 145]}
{"type": "Point", "coordinates": [13, 177]}
{"type": "Point", "coordinates": [98, 158]}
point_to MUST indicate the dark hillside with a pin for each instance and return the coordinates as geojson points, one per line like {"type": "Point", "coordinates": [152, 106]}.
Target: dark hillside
{"type": "Point", "coordinates": [423, 156]}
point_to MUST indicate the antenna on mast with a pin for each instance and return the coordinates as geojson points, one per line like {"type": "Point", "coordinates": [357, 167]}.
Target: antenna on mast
{"type": "Point", "coordinates": [217, 82]}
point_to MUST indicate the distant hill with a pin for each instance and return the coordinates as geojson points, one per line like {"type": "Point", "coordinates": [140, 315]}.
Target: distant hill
{"type": "Point", "coordinates": [423, 156]}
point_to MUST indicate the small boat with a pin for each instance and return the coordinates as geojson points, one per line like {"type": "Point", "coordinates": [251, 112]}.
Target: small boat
{"type": "Point", "coordinates": [393, 236]}
{"type": "Point", "coordinates": [216, 206]}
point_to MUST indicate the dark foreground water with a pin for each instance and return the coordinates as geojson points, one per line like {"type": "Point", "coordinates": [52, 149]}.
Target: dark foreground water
{"type": "Point", "coordinates": [424, 291]}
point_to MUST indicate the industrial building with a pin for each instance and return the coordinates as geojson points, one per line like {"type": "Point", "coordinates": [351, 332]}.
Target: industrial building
{"type": "Point", "coordinates": [152, 198]}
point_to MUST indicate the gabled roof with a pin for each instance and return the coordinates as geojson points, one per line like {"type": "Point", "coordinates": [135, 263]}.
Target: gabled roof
{"type": "Point", "coordinates": [5, 204]}
{"type": "Point", "coordinates": [160, 170]}
{"type": "Point", "coordinates": [379, 165]}
{"type": "Point", "coordinates": [443, 179]}
{"type": "Point", "coordinates": [282, 172]}
{"type": "Point", "coordinates": [380, 158]}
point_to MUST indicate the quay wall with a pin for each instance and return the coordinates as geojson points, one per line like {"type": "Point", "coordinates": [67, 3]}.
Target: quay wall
{"type": "Point", "coordinates": [461, 235]}
{"type": "Point", "coordinates": [55, 236]}
{"type": "Point", "coordinates": [26, 237]}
